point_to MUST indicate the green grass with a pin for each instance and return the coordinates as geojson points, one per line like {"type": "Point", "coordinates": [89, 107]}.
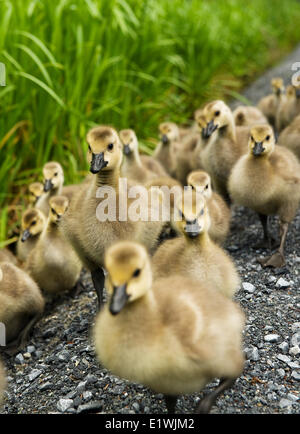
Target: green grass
{"type": "Point", "coordinates": [72, 64]}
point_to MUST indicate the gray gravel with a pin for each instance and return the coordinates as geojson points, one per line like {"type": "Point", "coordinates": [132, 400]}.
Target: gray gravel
{"type": "Point", "coordinates": [58, 372]}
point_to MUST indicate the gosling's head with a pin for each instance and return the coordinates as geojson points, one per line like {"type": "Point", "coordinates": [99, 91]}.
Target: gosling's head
{"type": "Point", "coordinates": [58, 207]}
{"type": "Point", "coordinates": [200, 121]}
{"type": "Point", "coordinates": [105, 150]}
{"type": "Point", "coordinates": [200, 181]}
{"type": "Point", "coordinates": [277, 85]}
{"type": "Point", "coordinates": [35, 190]}
{"type": "Point", "coordinates": [191, 214]}
{"type": "Point", "coordinates": [53, 175]}
{"type": "Point", "coordinates": [129, 141]}
{"type": "Point", "coordinates": [168, 131]}
{"type": "Point", "coordinates": [33, 222]}
{"type": "Point", "coordinates": [217, 115]}
{"type": "Point", "coordinates": [129, 274]}
{"type": "Point", "coordinates": [261, 141]}
{"type": "Point", "coordinates": [240, 116]}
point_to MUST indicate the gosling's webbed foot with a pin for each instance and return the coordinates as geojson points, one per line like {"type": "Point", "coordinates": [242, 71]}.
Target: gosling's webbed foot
{"type": "Point", "coordinates": [276, 260]}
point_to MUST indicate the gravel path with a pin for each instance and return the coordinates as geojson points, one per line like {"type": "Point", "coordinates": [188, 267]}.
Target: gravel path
{"type": "Point", "coordinates": [58, 372]}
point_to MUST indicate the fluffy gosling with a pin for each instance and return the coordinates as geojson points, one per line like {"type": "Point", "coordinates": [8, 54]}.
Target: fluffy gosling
{"type": "Point", "coordinates": [53, 263]}
{"type": "Point", "coordinates": [269, 104]}
{"type": "Point", "coordinates": [35, 190]}
{"type": "Point", "coordinates": [132, 166]}
{"type": "Point", "coordinates": [267, 180]}
{"type": "Point", "coordinates": [21, 304]}
{"type": "Point", "coordinates": [227, 143]}
{"type": "Point", "coordinates": [248, 116]}
{"type": "Point", "coordinates": [219, 212]}
{"type": "Point", "coordinates": [32, 225]}
{"type": "Point", "coordinates": [169, 144]}
{"type": "Point", "coordinates": [173, 335]}
{"type": "Point", "coordinates": [194, 254]}
{"type": "Point", "coordinates": [88, 233]}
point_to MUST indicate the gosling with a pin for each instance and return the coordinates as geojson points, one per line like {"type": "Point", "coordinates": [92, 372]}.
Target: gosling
{"type": "Point", "coordinates": [289, 108]}
{"type": "Point", "coordinates": [53, 186]}
{"type": "Point", "coordinates": [290, 137]}
{"type": "Point", "coordinates": [53, 263]}
{"type": "Point", "coordinates": [35, 190]}
{"type": "Point", "coordinates": [219, 212]}
{"type": "Point", "coordinates": [21, 305]}
{"type": "Point", "coordinates": [194, 254]}
{"type": "Point", "coordinates": [85, 225]}
{"type": "Point", "coordinates": [32, 225]}
{"type": "Point", "coordinates": [248, 116]}
{"type": "Point", "coordinates": [174, 335]}
{"type": "Point", "coordinates": [169, 144]}
{"type": "Point", "coordinates": [269, 104]}
{"type": "Point", "coordinates": [226, 145]}
{"type": "Point", "coordinates": [132, 166]}
{"type": "Point", "coordinates": [267, 180]}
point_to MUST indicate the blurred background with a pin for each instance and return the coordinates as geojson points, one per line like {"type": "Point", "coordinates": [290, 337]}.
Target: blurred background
{"type": "Point", "coordinates": [71, 64]}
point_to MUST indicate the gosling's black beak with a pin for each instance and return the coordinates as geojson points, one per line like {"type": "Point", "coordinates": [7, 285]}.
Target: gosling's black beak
{"type": "Point", "coordinates": [118, 300]}
{"type": "Point", "coordinates": [26, 234]}
{"type": "Point", "coordinates": [192, 228]}
{"type": "Point", "coordinates": [297, 93]}
{"type": "Point", "coordinates": [127, 150]}
{"type": "Point", "coordinates": [209, 129]}
{"type": "Point", "coordinates": [164, 139]}
{"type": "Point", "coordinates": [48, 185]}
{"type": "Point", "coordinates": [258, 149]}
{"type": "Point", "coordinates": [98, 162]}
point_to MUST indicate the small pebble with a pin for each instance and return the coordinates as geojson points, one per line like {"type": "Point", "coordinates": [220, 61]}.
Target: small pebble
{"type": "Point", "coordinates": [271, 338]}
{"type": "Point", "coordinates": [282, 283]}
{"type": "Point", "coordinates": [64, 404]}
{"type": "Point", "coordinates": [35, 373]}
{"type": "Point", "coordinates": [248, 287]}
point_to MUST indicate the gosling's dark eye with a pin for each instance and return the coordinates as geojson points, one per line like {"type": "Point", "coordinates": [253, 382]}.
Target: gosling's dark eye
{"type": "Point", "coordinates": [55, 174]}
{"type": "Point", "coordinates": [217, 113]}
{"type": "Point", "coordinates": [192, 187]}
{"type": "Point", "coordinates": [136, 273]}
{"type": "Point", "coordinates": [110, 146]}
{"type": "Point", "coordinates": [252, 139]}
{"type": "Point", "coordinates": [90, 149]}
{"type": "Point", "coordinates": [268, 138]}
{"type": "Point", "coordinates": [33, 223]}
{"type": "Point", "coordinates": [202, 212]}
{"type": "Point", "coordinates": [206, 187]}
{"type": "Point", "coordinates": [53, 211]}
